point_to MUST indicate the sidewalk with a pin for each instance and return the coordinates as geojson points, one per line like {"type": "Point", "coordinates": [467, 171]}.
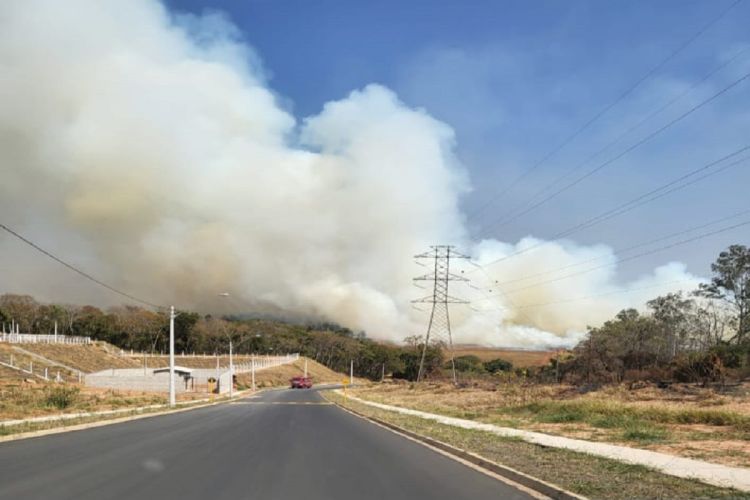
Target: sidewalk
{"type": "Point", "coordinates": [715, 474]}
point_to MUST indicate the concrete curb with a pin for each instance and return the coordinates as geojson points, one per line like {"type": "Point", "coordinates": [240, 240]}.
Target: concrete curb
{"type": "Point", "coordinates": [723, 476]}
{"type": "Point", "coordinates": [532, 483]}
{"type": "Point", "coordinates": [111, 421]}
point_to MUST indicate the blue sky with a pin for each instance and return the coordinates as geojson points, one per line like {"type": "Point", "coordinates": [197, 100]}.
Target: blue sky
{"type": "Point", "coordinates": [514, 78]}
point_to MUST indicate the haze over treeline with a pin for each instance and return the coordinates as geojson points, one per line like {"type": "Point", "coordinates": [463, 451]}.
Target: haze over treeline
{"type": "Point", "coordinates": [150, 148]}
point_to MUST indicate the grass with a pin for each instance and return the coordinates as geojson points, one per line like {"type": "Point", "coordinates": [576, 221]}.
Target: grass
{"type": "Point", "coordinates": [519, 358]}
{"type": "Point", "coordinates": [687, 421]}
{"type": "Point", "coordinates": [22, 400]}
{"type": "Point", "coordinates": [279, 376]}
{"type": "Point", "coordinates": [594, 477]}
{"type": "Point", "coordinates": [609, 414]}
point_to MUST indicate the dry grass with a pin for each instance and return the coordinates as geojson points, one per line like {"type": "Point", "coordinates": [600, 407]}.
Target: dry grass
{"type": "Point", "coordinates": [519, 358]}
{"type": "Point", "coordinates": [25, 400]}
{"type": "Point", "coordinates": [594, 477]}
{"type": "Point", "coordinates": [86, 358]}
{"type": "Point", "coordinates": [682, 420]}
{"type": "Point", "coordinates": [279, 376]}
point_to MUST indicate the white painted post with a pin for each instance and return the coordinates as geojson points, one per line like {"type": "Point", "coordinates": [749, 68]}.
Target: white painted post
{"type": "Point", "coordinates": [351, 372]}
{"type": "Point", "coordinates": [45, 373]}
{"type": "Point", "coordinates": [305, 367]}
{"type": "Point", "coordinates": [55, 331]}
{"type": "Point", "coordinates": [11, 360]}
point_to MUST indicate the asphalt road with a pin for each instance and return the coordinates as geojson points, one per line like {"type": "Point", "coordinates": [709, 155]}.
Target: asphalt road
{"type": "Point", "coordinates": [280, 445]}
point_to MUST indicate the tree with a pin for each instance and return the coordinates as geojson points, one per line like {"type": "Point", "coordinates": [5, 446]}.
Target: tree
{"type": "Point", "coordinates": [731, 284]}
{"type": "Point", "coordinates": [671, 312]}
{"type": "Point", "coordinates": [21, 308]}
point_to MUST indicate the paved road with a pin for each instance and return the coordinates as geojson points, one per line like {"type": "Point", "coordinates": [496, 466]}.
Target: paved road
{"type": "Point", "coordinates": [281, 445]}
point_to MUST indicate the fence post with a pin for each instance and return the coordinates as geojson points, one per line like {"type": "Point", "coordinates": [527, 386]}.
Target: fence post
{"type": "Point", "coordinates": [45, 374]}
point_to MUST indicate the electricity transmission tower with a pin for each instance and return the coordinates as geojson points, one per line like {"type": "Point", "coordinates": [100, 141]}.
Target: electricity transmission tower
{"type": "Point", "coordinates": [439, 328]}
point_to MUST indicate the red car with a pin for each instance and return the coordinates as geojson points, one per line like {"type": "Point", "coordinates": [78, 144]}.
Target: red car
{"type": "Point", "coordinates": [300, 382]}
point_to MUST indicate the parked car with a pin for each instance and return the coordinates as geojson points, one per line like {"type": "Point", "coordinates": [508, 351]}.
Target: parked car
{"type": "Point", "coordinates": [300, 382]}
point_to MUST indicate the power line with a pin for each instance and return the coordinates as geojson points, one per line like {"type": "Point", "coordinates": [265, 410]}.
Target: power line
{"type": "Point", "coordinates": [507, 217]}
{"type": "Point", "coordinates": [632, 147]}
{"type": "Point", "coordinates": [632, 257]}
{"type": "Point", "coordinates": [496, 284]}
{"type": "Point", "coordinates": [630, 248]}
{"type": "Point", "coordinates": [659, 192]}
{"type": "Point", "coordinates": [77, 270]}
{"type": "Point", "coordinates": [597, 295]}
{"type": "Point", "coordinates": [603, 111]}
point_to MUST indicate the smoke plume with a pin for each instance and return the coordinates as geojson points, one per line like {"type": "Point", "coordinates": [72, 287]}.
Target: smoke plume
{"type": "Point", "coordinates": [149, 148]}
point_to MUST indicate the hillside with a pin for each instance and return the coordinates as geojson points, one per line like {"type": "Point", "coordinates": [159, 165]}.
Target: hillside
{"type": "Point", "coordinates": [280, 375]}
{"type": "Point", "coordinates": [86, 358]}
{"type": "Point", "coordinates": [519, 358]}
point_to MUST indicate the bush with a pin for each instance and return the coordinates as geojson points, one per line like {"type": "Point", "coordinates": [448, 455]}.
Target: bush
{"type": "Point", "coordinates": [467, 363]}
{"type": "Point", "coordinates": [498, 365]}
{"type": "Point", "coordinates": [698, 367]}
{"type": "Point", "coordinates": [61, 397]}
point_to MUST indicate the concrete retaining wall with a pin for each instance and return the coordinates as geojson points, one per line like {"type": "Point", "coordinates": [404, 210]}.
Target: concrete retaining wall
{"type": "Point", "coordinates": [138, 379]}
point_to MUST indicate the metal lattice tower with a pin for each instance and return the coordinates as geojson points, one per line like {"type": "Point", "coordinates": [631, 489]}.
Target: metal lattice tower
{"type": "Point", "coordinates": [439, 327]}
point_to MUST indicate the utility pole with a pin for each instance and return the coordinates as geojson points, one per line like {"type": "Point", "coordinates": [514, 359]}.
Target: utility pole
{"type": "Point", "coordinates": [351, 372]}
{"type": "Point", "coordinates": [305, 367]}
{"type": "Point", "coordinates": [231, 371]}
{"type": "Point", "coordinates": [172, 399]}
{"type": "Point", "coordinates": [252, 370]}
{"type": "Point", "coordinates": [439, 326]}
{"type": "Point", "coordinates": [382, 376]}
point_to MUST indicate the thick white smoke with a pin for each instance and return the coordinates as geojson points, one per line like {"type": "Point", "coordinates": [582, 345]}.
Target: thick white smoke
{"type": "Point", "coordinates": [151, 150]}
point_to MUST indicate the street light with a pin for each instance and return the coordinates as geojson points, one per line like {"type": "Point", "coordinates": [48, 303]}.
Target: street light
{"type": "Point", "coordinates": [172, 398]}
{"type": "Point", "coordinates": [231, 358]}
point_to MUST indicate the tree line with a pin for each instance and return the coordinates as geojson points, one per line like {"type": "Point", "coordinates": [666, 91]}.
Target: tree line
{"type": "Point", "coordinates": [144, 330]}
{"type": "Point", "coordinates": [701, 336]}
{"type": "Point", "coordinates": [704, 335]}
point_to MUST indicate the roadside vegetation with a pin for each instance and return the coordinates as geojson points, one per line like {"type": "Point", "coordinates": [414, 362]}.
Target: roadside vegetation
{"type": "Point", "coordinates": [24, 400]}
{"type": "Point", "coordinates": [670, 379]}
{"type": "Point", "coordinates": [593, 477]}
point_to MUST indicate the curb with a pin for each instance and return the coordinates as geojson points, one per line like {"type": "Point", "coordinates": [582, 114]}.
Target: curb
{"type": "Point", "coordinates": [111, 421]}
{"type": "Point", "coordinates": [537, 485]}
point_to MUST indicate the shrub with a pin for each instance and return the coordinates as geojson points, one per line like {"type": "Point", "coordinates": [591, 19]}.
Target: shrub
{"type": "Point", "coordinates": [698, 367]}
{"type": "Point", "coordinates": [467, 363]}
{"type": "Point", "coordinates": [498, 365]}
{"type": "Point", "coordinates": [61, 397]}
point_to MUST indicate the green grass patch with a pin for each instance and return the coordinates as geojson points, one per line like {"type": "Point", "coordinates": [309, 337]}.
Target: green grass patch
{"type": "Point", "coordinates": [610, 415]}
{"type": "Point", "coordinates": [644, 433]}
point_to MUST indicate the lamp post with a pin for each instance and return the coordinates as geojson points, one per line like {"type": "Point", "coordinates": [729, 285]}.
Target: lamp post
{"type": "Point", "coordinates": [172, 399]}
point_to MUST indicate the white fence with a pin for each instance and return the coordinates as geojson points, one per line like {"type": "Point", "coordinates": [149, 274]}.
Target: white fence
{"type": "Point", "coordinates": [33, 338]}
{"type": "Point", "coordinates": [26, 366]}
